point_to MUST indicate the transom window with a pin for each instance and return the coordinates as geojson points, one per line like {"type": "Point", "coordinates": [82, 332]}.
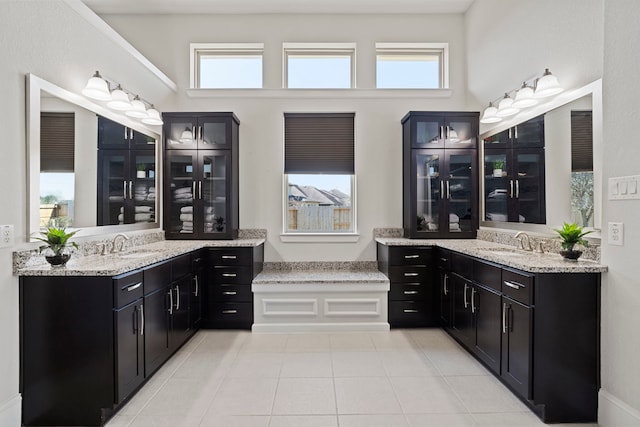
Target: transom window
{"type": "Point", "coordinates": [411, 65]}
{"type": "Point", "coordinates": [319, 65]}
{"type": "Point", "coordinates": [226, 65]}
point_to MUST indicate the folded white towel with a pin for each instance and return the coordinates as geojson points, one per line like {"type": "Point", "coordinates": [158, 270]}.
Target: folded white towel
{"type": "Point", "coordinates": [144, 209]}
{"type": "Point", "coordinates": [187, 224]}
{"type": "Point", "coordinates": [182, 190]}
{"type": "Point", "coordinates": [432, 226]}
{"type": "Point", "coordinates": [186, 217]}
{"type": "Point", "coordinates": [142, 217]}
{"type": "Point", "coordinates": [121, 217]}
{"type": "Point", "coordinates": [453, 218]}
{"type": "Point", "coordinates": [454, 226]}
{"type": "Point", "coordinates": [186, 209]}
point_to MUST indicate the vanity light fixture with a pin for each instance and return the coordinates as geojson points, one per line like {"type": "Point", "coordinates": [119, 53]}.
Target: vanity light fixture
{"type": "Point", "coordinates": [524, 97]}
{"type": "Point", "coordinates": [138, 109]}
{"type": "Point", "coordinates": [506, 108]}
{"type": "Point", "coordinates": [489, 115]}
{"type": "Point", "coordinates": [97, 88]}
{"type": "Point", "coordinates": [153, 117]}
{"type": "Point", "coordinates": [119, 100]}
{"type": "Point", "coordinates": [547, 85]}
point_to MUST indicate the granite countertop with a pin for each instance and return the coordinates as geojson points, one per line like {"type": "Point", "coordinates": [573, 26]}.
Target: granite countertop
{"type": "Point", "coordinates": [280, 277]}
{"type": "Point", "coordinates": [509, 256]}
{"type": "Point", "coordinates": [132, 259]}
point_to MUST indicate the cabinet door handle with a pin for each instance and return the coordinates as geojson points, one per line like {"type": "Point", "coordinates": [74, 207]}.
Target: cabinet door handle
{"type": "Point", "coordinates": [229, 311]}
{"type": "Point", "coordinates": [132, 287]}
{"type": "Point", "coordinates": [124, 190]}
{"type": "Point", "coordinates": [411, 256]}
{"type": "Point", "coordinates": [407, 310]}
{"type": "Point", "coordinates": [516, 131]}
{"type": "Point", "coordinates": [517, 189]}
{"type": "Point", "coordinates": [229, 274]}
{"type": "Point", "coordinates": [200, 134]}
{"type": "Point", "coordinates": [131, 190]}
{"type": "Point", "coordinates": [410, 274]}
{"type": "Point", "coordinates": [504, 317]}
{"type": "Point", "coordinates": [448, 190]}
{"type": "Point", "coordinates": [130, 134]}
{"type": "Point", "coordinates": [195, 279]}
{"type": "Point", "coordinates": [510, 133]}
{"type": "Point", "coordinates": [126, 133]}
{"type": "Point", "coordinates": [141, 319]}
{"type": "Point", "coordinates": [197, 259]}
{"type": "Point", "coordinates": [444, 259]}
{"type": "Point", "coordinates": [466, 304]}
{"type": "Point", "coordinates": [200, 190]}
{"type": "Point", "coordinates": [229, 293]}
{"type": "Point", "coordinates": [442, 195]}
{"type": "Point", "coordinates": [193, 190]}
{"type": "Point", "coordinates": [445, 284]}
{"type": "Point", "coordinates": [511, 188]}
{"type": "Point", "coordinates": [410, 292]}
{"type": "Point", "coordinates": [514, 285]}
{"type": "Point", "coordinates": [170, 301]}
{"type": "Point", "coordinates": [473, 300]}
{"type": "Point", "coordinates": [441, 132]}
{"type": "Point", "coordinates": [229, 257]}
{"type": "Point", "coordinates": [177, 297]}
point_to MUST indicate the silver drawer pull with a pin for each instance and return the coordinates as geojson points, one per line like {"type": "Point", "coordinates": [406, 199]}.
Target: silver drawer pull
{"type": "Point", "coordinates": [410, 274]}
{"type": "Point", "coordinates": [411, 256]}
{"type": "Point", "coordinates": [229, 274]}
{"type": "Point", "coordinates": [514, 285]}
{"type": "Point", "coordinates": [132, 287]}
{"type": "Point", "coordinates": [406, 310]}
{"type": "Point", "coordinates": [410, 292]}
{"type": "Point", "coordinates": [444, 259]}
{"type": "Point", "coordinates": [229, 293]}
{"type": "Point", "coordinates": [229, 257]}
{"type": "Point", "coordinates": [229, 311]}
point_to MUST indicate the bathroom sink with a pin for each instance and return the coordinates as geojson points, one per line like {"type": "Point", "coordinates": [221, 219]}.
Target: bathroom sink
{"type": "Point", "coordinates": [137, 254]}
{"type": "Point", "coordinates": [505, 251]}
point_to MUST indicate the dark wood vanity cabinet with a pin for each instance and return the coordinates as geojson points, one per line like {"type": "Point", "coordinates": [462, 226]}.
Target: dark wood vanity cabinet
{"type": "Point", "coordinates": [201, 175]}
{"type": "Point", "coordinates": [413, 300]}
{"type": "Point", "coordinates": [440, 179]}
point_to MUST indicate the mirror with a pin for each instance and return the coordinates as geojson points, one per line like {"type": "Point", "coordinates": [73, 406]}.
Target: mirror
{"type": "Point", "coordinates": [571, 189]}
{"type": "Point", "coordinates": [73, 187]}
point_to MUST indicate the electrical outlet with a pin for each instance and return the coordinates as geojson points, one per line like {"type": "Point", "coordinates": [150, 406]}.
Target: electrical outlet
{"type": "Point", "coordinates": [6, 236]}
{"type": "Point", "coordinates": [616, 233]}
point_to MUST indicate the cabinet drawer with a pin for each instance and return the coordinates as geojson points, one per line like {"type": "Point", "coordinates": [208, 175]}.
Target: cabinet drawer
{"type": "Point", "coordinates": [410, 273]}
{"type": "Point", "coordinates": [410, 255]}
{"type": "Point", "coordinates": [127, 289]}
{"type": "Point", "coordinates": [409, 313]}
{"type": "Point", "coordinates": [487, 274]}
{"type": "Point", "coordinates": [462, 265]}
{"type": "Point", "coordinates": [157, 276]}
{"type": "Point", "coordinates": [517, 286]}
{"type": "Point", "coordinates": [231, 256]}
{"type": "Point", "coordinates": [444, 259]}
{"type": "Point", "coordinates": [180, 266]}
{"type": "Point", "coordinates": [230, 293]}
{"type": "Point", "coordinates": [232, 275]}
{"type": "Point", "coordinates": [232, 312]}
{"type": "Point", "coordinates": [408, 291]}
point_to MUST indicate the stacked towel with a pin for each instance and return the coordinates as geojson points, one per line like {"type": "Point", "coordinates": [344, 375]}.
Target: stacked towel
{"type": "Point", "coordinates": [454, 222]}
{"type": "Point", "coordinates": [182, 194]}
{"type": "Point", "coordinates": [151, 196]}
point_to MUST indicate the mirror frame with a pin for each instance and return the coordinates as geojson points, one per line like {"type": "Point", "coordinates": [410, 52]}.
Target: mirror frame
{"type": "Point", "coordinates": [595, 90]}
{"type": "Point", "coordinates": [35, 86]}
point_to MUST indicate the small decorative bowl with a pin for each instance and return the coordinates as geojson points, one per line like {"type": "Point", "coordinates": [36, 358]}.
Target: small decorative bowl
{"type": "Point", "coordinates": [572, 255]}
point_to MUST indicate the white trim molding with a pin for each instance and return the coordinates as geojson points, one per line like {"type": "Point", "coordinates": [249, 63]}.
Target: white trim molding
{"type": "Point", "coordinates": [11, 411]}
{"type": "Point", "coordinates": [613, 412]}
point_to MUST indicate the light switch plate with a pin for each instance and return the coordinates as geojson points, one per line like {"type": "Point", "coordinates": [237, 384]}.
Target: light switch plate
{"type": "Point", "coordinates": [616, 233]}
{"type": "Point", "coordinates": [624, 187]}
{"type": "Point", "coordinates": [6, 236]}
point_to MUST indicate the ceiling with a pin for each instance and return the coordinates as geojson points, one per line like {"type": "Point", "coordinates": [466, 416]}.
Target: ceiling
{"type": "Point", "coordinates": [276, 6]}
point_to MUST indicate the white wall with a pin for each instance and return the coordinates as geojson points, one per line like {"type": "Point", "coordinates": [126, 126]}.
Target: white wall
{"type": "Point", "coordinates": [165, 40]}
{"type": "Point", "coordinates": [51, 40]}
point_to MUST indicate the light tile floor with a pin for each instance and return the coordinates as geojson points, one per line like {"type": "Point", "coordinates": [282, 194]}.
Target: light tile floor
{"type": "Point", "coordinates": [401, 378]}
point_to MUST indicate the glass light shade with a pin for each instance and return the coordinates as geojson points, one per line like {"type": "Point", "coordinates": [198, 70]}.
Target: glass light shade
{"type": "Point", "coordinates": [506, 108]}
{"type": "Point", "coordinates": [119, 100]}
{"type": "Point", "coordinates": [97, 88]}
{"type": "Point", "coordinates": [138, 110]}
{"type": "Point", "coordinates": [489, 115]}
{"type": "Point", "coordinates": [524, 97]}
{"type": "Point", "coordinates": [153, 117]}
{"type": "Point", "coordinates": [186, 136]}
{"type": "Point", "coordinates": [547, 85]}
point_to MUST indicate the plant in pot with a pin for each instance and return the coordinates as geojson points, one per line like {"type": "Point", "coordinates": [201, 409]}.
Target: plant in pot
{"type": "Point", "coordinates": [141, 170]}
{"type": "Point", "coordinates": [219, 223]}
{"type": "Point", "coordinates": [571, 235]}
{"type": "Point", "coordinates": [498, 167]}
{"type": "Point", "coordinates": [57, 250]}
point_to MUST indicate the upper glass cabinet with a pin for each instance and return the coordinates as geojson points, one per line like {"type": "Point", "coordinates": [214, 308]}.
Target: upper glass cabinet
{"type": "Point", "coordinates": [202, 132]}
{"type": "Point", "coordinates": [442, 130]}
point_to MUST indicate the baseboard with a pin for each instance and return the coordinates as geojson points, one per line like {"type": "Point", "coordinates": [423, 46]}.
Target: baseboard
{"type": "Point", "coordinates": [10, 412]}
{"type": "Point", "coordinates": [613, 412]}
{"type": "Point", "coordinates": [320, 327]}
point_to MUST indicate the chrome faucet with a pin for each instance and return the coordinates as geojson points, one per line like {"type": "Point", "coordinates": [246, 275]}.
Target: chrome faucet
{"type": "Point", "coordinates": [114, 243]}
{"type": "Point", "coordinates": [521, 235]}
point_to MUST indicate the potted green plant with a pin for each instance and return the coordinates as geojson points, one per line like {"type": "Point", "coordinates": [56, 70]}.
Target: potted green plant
{"type": "Point", "coordinates": [141, 170]}
{"type": "Point", "coordinates": [571, 235]}
{"type": "Point", "coordinates": [57, 249]}
{"type": "Point", "coordinates": [219, 223]}
{"type": "Point", "coordinates": [498, 167]}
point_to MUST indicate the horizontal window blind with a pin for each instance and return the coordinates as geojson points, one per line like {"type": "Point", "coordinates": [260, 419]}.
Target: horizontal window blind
{"type": "Point", "coordinates": [319, 143]}
{"type": "Point", "coordinates": [581, 141]}
{"type": "Point", "coordinates": [57, 142]}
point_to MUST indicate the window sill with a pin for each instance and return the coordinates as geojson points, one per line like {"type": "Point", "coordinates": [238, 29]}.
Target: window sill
{"type": "Point", "coordinates": [320, 93]}
{"type": "Point", "coordinates": [319, 237]}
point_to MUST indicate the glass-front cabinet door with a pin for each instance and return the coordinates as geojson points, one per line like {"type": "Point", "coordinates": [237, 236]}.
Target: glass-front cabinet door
{"type": "Point", "coordinates": [180, 193]}
{"type": "Point", "coordinates": [460, 191]}
{"type": "Point", "coordinates": [143, 191]}
{"type": "Point", "coordinates": [203, 132]}
{"type": "Point", "coordinates": [460, 132]}
{"type": "Point", "coordinates": [428, 188]}
{"type": "Point", "coordinates": [496, 185]}
{"type": "Point", "coordinates": [427, 132]}
{"type": "Point", "coordinates": [213, 190]}
{"type": "Point", "coordinates": [529, 187]}
{"type": "Point", "coordinates": [113, 186]}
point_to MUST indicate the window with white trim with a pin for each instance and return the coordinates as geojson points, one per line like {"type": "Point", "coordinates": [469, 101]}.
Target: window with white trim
{"type": "Point", "coordinates": [319, 172]}
{"type": "Point", "coordinates": [319, 65]}
{"type": "Point", "coordinates": [412, 65]}
{"type": "Point", "coordinates": [226, 65]}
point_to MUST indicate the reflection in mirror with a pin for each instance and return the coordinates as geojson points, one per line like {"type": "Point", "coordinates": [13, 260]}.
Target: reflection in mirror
{"type": "Point", "coordinates": [63, 167]}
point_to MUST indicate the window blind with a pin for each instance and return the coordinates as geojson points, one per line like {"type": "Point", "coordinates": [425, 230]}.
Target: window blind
{"type": "Point", "coordinates": [319, 143]}
{"type": "Point", "coordinates": [581, 141]}
{"type": "Point", "coordinates": [57, 142]}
